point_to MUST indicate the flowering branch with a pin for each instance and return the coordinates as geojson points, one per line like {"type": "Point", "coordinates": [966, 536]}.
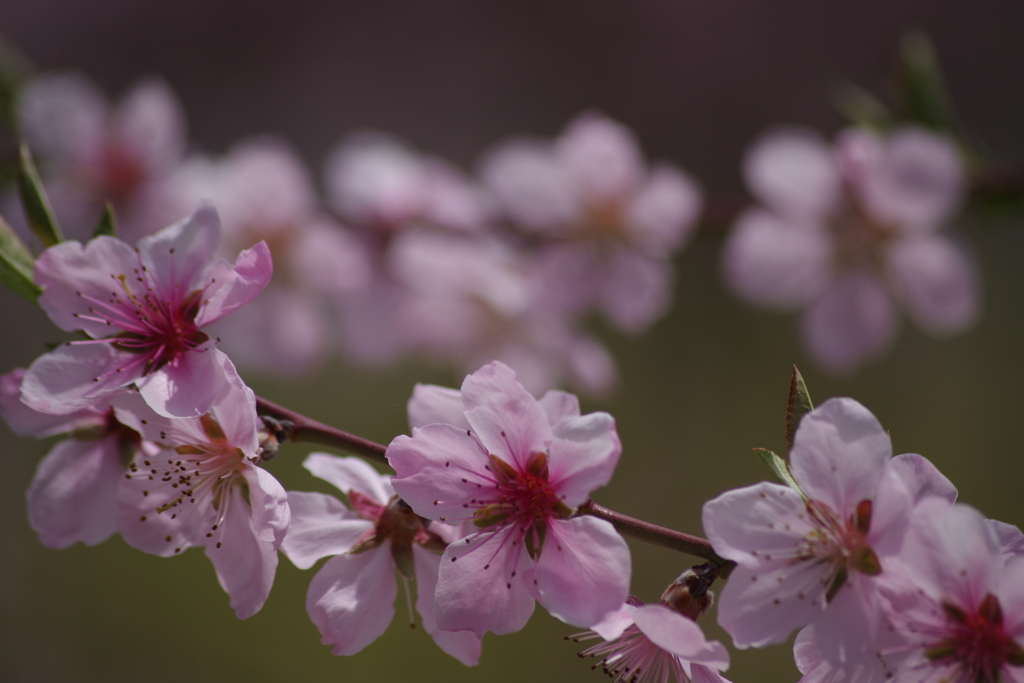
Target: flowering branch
{"type": "Point", "coordinates": [658, 535]}
{"type": "Point", "coordinates": [299, 428]}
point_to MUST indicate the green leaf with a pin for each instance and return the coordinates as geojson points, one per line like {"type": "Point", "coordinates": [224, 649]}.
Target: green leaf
{"type": "Point", "coordinates": [16, 264]}
{"type": "Point", "coordinates": [107, 224]}
{"type": "Point", "coordinates": [34, 201]}
{"type": "Point", "coordinates": [860, 107]}
{"type": "Point", "coordinates": [779, 467]}
{"type": "Point", "coordinates": [799, 404]}
{"type": "Point", "coordinates": [921, 87]}
{"type": "Point", "coordinates": [14, 70]}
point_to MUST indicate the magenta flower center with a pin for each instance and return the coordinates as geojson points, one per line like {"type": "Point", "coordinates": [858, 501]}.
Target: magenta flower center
{"type": "Point", "coordinates": [158, 326]}
{"type": "Point", "coordinates": [842, 544]}
{"type": "Point", "coordinates": [977, 642]}
{"type": "Point", "coordinates": [633, 658]}
{"type": "Point", "coordinates": [520, 497]}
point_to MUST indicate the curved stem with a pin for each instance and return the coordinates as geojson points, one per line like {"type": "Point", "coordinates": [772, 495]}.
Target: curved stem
{"type": "Point", "coordinates": [658, 535]}
{"type": "Point", "coordinates": [299, 428]}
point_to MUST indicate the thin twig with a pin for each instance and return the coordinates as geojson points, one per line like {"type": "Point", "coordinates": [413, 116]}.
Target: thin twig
{"type": "Point", "coordinates": [299, 428]}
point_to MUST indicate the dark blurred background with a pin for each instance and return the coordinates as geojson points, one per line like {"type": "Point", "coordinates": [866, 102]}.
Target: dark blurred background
{"type": "Point", "coordinates": [696, 81]}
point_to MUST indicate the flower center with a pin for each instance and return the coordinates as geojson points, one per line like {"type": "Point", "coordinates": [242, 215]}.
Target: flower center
{"type": "Point", "coordinates": [978, 642]}
{"type": "Point", "coordinates": [841, 544]}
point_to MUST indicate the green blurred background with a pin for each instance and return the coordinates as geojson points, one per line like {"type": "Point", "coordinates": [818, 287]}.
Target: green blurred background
{"type": "Point", "coordinates": [696, 81]}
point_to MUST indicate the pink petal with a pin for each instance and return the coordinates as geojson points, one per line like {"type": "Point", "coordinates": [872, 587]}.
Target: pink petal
{"type": "Point", "coordinates": [476, 589]}
{"type": "Point", "coordinates": [583, 570]}
{"type": "Point", "coordinates": [615, 623]}
{"type": "Point", "coordinates": [600, 156]}
{"type": "Point", "coordinates": [437, 471]}
{"type": "Point", "coordinates": [234, 409]}
{"type": "Point", "coordinates": [350, 474]}
{"type": "Point", "coordinates": [702, 674]}
{"type": "Point", "coordinates": [320, 526]}
{"type": "Point", "coordinates": [351, 599]}
{"type": "Point", "coordinates": [188, 386]}
{"type": "Point", "coordinates": [76, 376]}
{"type": "Point", "coordinates": [636, 289]}
{"type": "Point", "coordinates": [839, 453]}
{"type": "Point", "coordinates": [151, 123]}
{"type": "Point", "coordinates": [76, 279]}
{"type": "Point", "coordinates": [773, 262]}
{"type": "Point", "coordinates": [72, 495]}
{"type": "Point", "coordinates": [918, 181]}
{"type": "Point", "coordinates": [922, 478]}
{"type": "Point", "coordinates": [178, 256]}
{"type": "Point", "coordinates": [1010, 538]}
{"type": "Point", "coordinates": [749, 524]}
{"type": "Point", "coordinates": [25, 421]}
{"type": "Point", "coordinates": [583, 456]}
{"type": "Point", "coordinates": [794, 172]}
{"type": "Point", "coordinates": [507, 419]}
{"type": "Point", "coordinates": [817, 669]}
{"type": "Point", "coordinates": [675, 633]}
{"type": "Point", "coordinates": [432, 404]}
{"type": "Point", "coordinates": [245, 564]}
{"type": "Point", "coordinates": [937, 280]}
{"type": "Point", "coordinates": [663, 213]}
{"type": "Point", "coordinates": [236, 285]}
{"type": "Point", "coordinates": [852, 323]}
{"type": "Point", "coordinates": [559, 405]}
{"type": "Point", "coordinates": [62, 116]}
{"type": "Point", "coordinates": [463, 645]}
{"type": "Point", "coordinates": [847, 632]}
{"type": "Point", "coordinates": [271, 515]}
{"type": "Point", "coordinates": [159, 533]}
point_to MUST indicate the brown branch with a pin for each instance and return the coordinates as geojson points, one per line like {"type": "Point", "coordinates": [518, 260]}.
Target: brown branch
{"type": "Point", "coordinates": [299, 428]}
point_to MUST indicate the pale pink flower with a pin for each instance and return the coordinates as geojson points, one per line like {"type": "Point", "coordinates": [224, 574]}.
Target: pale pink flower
{"type": "Point", "coordinates": [92, 152]}
{"type": "Point", "coordinates": [956, 601]}
{"type": "Point", "coordinates": [817, 668]}
{"type": "Point", "coordinates": [263, 192]}
{"type": "Point", "coordinates": [655, 644]}
{"type": "Point", "coordinates": [609, 223]}
{"type": "Point", "coordinates": [351, 599]}
{"type": "Point", "coordinates": [1011, 540]}
{"type": "Point", "coordinates": [378, 183]}
{"type": "Point", "coordinates": [472, 301]}
{"type": "Point", "coordinates": [73, 494]}
{"type": "Point", "coordinates": [145, 309]}
{"type": "Point", "coordinates": [205, 488]}
{"type": "Point", "coordinates": [516, 473]}
{"type": "Point", "coordinates": [851, 232]}
{"type": "Point", "coordinates": [815, 559]}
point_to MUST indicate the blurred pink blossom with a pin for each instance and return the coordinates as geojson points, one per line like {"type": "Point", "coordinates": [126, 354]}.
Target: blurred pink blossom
{"type": "Point", "coordinates": [351, 599]}
{"type": "Point", "coordinates": [851, 232]}
{"type": "Point", "coordinates": [608, 223]}
{"type": "Point", "coordinates": [92, 152]}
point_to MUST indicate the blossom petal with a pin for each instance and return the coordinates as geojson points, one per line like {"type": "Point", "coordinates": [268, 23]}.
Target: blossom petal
{"type": "Point", "coordinates": [151, 123]}
{"type": "Point", "coordinates": [432, 404]}
{"type": "Point", "coordinates": [600, 157]}
{"type": "Point", "coordinates": [320, 526]}
{"type": "Point", "coordinates": [188, 386]}
{"type": "Point", "coordinates": [351, 599]}
{"type": "Point", "coordinates": [559, 405]}
{"type": "Point", "coordinates": [583, 570]}
{"type": "Point", "coordinates": [438, 470]}
{"type": "Point", "coordinates": [480, 585]}
{"type": "Point", "coordinates": [794, 171]}
{"type": "Point", "coordinates": [746, 525]}
{"type": "Point", "coordinates": [25, 421]}
{"type": "Point", "coordinates": [937, 281]}
{"type": "Point", "coordinates": [271, 515]}
{"type": "Point", "coordinates": [839, 453]}
{"type": "Point", "coordinates": [675, 633]}
{"type": "Point", "coordinates": [637, 289]}
{"type": "Point", "coordinates": [663, 213]}
{"type": "Point", "coordinates": [507, 419]}
{"type": "Point", "coordinates": [245, 563]}
{"type": "Point", "coordinates": [817, 669]}
{"type": "Point", "coordinates": [853, 322]}
{"type": "Point", "coordinates": [236, 285]}
{"type": "Point", "coordinates": [72, 496]}
{"type": "Point", "coordinates": [350, 474]}
{"type": "Point", "coordinates": [177, 256]}
{"type": "Point", "coordinates": [465, 646]}
{"type": "Point", "coordinates": [583, 456]}
{"type": "Point", "coordinates": [1011, 540]}
{"type": "Point", "coordinates": [76, 376]}
{"type": "Point", "coordinates": [773, 262]}
{"type": "Point", "coordinates": [531, 184]}
{"type": "Point", "coordinates": [922, 478]}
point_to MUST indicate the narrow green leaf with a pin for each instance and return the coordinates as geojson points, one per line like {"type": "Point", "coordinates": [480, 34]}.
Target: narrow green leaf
{"type": "Point", "coordinates": [107, 224]}
{"type": "Point", "coordinates": [34, 201]}
{"type": "Point", "coordinates": [799, 404]}
{"type": "Point", "coordinates": [16, 264]}
{"type": "Point", "coordinates": [14, 70]}
{"type": "Point", "coordinates": [921, 86]}
{"type": "Point", "coordinates": [860, 107]}
{"type": "Point", "coordinates": [779, 467]}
